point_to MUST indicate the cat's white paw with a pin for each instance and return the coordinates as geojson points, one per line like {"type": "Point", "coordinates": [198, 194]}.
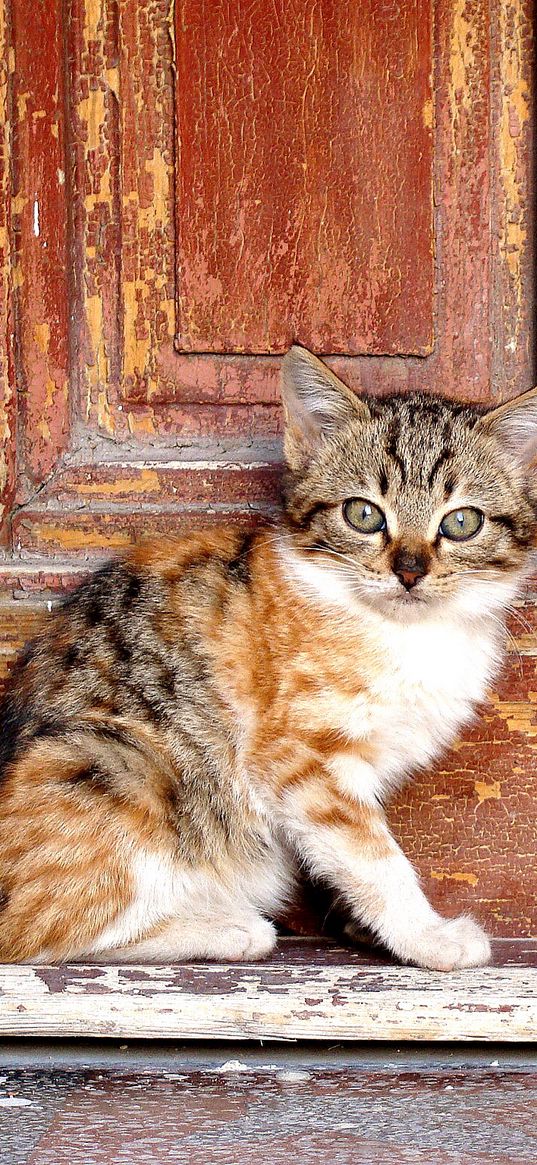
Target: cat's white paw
{"type": "Point", "coordinates": [449, 945]}
{"type": "Point", "coordinates": [253, 939]}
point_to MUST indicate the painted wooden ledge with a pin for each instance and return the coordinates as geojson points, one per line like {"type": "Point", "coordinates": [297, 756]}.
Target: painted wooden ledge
{"type": "Point", "coordinates": [309, 989]}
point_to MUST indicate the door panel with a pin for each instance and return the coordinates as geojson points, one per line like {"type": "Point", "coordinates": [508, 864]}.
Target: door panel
{"type": "Point", "coordinates": [304, 176]}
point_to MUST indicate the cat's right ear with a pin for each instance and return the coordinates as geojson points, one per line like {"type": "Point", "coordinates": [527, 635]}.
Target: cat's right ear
{"type": "Point", "coordinates": [316, 404]}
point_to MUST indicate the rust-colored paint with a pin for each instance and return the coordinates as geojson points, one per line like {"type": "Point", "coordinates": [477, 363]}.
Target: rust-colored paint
{"type": "Point", "coordinates": [513, 213]}
{"type": "Point", "coordinates": [94, 534]}
{"type": "Point", "coordinates": [123, 173]}
{"type": "Point", "coordinates": [40, 225]}
{"type": "Point", "coordinates": [147, 189]}
{"type": "Point", "coordinates": [304, 176]}
{"type": "Point", "coordinates": [197, 483]}
{"type": "Point", "coordinates": [7, 393]}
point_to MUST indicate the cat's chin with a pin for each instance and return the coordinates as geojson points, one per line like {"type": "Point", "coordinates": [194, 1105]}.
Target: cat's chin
{"type": "Point", "coordinates": [404, 607]}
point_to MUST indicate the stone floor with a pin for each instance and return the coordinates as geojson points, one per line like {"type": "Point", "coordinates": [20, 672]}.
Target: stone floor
{"type": "Point", "coordinates": [234, 1113]}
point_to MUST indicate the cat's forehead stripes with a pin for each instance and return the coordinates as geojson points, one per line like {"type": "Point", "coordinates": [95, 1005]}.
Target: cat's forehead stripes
{"type": "Point", "coordinates": [419, 438]}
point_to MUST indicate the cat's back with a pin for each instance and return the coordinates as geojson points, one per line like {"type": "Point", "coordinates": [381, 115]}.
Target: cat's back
{"type": "Point", "coordinates": [130, 641]}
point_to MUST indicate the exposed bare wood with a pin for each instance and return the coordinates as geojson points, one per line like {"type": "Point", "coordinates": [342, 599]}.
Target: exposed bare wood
{"type": "Point", "coordinates": [300, 993]}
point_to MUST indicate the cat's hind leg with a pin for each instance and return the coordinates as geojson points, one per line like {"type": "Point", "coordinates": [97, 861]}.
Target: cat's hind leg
{"type": "Point", "coordinates": [89, 864]}
{"type": "Point", "coordinates": [64, 855]}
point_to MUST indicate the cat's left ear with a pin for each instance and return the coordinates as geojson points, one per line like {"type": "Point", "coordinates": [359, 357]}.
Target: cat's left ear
{"type": "Point", "coordinates": [316, 404]}
{"type": "Point", "coordinates": [514, 424]}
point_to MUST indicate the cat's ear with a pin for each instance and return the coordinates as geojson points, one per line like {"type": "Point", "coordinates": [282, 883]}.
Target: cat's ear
{"type": "Point", "coordinates": [316, 404]}
{"type": "Point", "coordinates": [515, 425]}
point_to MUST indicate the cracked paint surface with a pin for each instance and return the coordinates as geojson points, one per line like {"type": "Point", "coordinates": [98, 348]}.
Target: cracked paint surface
{"type": "Point", "coordinates": [513, 206]}
{"type": "Point", "coordinates": [304, 200]}
{"type": "Point", "coordinates": [7, 410]}
{"type": "Point", "coordinates": [40, 232]}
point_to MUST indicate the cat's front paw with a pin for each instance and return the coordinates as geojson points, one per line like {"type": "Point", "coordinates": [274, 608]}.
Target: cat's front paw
{"type": "Point", "coordinates": [449, 944]}
{"type": "Point", "coordinates": [253, 939]}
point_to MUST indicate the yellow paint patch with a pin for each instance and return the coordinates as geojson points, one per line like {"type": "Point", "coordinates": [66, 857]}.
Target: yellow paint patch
{"type": "Point", "coordinates": [92, 111]}
{"type": "Point", "coordinates": [98, 364]}
{"type": "Point", "coordinates": [462, 57]}
{"type": "Point", "coordinates": [93, 19]}
{"type": "Point", "coordinates": [18, 203]}
{"type": "Point", "coordinates": [456, 876]}
{"type": "Point", "coordinates": [136, 347]}
{"type": "Point", "coordinates": [147, 481]}
{"type": "Point", "coordinates": [428, 113]}
{"type": "Point", "coordinates": [140, 423]}
{"type": "Point", "coordinates": [75, 539]}
{"type": "Point", "coordinates": [157, 212]}
{"type": "Point", "coordinates": [112, 80]}
{"type": "Point", "coordinates": [518, 715]}
{"type": "Point", "coordinates": [22, 105]}
{"type": "Point", "coordinates": [42, 337]}
{"type": "Point", "coordinates": [488, 792]}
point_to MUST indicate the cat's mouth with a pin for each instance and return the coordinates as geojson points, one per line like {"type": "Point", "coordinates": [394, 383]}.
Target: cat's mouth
{"type": "Point", "coordinates": [398, 602]}
{"type": "Point", "coordinates": [410, 601]}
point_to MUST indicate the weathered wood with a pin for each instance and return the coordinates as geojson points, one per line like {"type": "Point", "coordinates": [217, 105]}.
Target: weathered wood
{"type": "Point", "coordinates": [7, 385]}
{"type": "Point", "coordinates": [147, 191]}
{"type": "Point", "coordinates": [304, 176]}
{"type": "Point", "coordinates": [40, 230]}
{"type": "Point", "coordinates": [133, 383]}
{"type": "Point", "coordinates": [513, 185]}
{"type": "Point", "coordinates": [470, 827]}
{"type": "Point", "coordinates": [346, 996]}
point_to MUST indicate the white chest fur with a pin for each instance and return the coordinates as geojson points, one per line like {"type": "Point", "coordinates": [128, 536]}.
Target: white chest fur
{"type": "Point", "coordinates": [418, 682]}
{"type": "Point", "coordinates": [433, 675]}
{"type": "Point", "coordinates": [417, 685]}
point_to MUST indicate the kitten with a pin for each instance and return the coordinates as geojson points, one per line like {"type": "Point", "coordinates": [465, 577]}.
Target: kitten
{"type": "Point", "coordinates": [204, 715]}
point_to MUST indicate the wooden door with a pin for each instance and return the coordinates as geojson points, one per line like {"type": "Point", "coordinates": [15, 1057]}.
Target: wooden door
{"type": "Point", "coordinates": [185, 189]}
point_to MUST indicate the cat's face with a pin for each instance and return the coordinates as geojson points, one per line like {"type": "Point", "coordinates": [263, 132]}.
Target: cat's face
{"type": "Point", "coordinates": [408, 503]}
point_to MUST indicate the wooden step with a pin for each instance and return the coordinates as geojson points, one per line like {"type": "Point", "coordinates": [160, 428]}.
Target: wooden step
{"type": "Point", "coordinates": [308, 989]}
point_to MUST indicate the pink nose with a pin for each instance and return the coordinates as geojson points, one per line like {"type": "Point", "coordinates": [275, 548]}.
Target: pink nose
{"type": "Point", "coordinates": [409, 578]}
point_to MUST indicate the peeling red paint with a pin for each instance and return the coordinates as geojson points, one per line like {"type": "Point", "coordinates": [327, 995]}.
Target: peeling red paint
{"type": "Point", "coordinates": [7, 393]}
{"type": "Point", "coordinates": [304, 177]}
{"type": "Point", "coordinates": [40, 223]}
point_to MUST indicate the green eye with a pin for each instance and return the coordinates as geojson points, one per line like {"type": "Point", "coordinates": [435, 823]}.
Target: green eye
{"type": "Point", "coordinates": [364, 516]}
{"type": "Point", "coordinates": [460, 525]}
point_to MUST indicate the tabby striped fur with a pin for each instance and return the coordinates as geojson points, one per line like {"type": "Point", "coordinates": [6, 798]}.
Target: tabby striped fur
{"type": "Point", "coordinates": [204, 716]}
